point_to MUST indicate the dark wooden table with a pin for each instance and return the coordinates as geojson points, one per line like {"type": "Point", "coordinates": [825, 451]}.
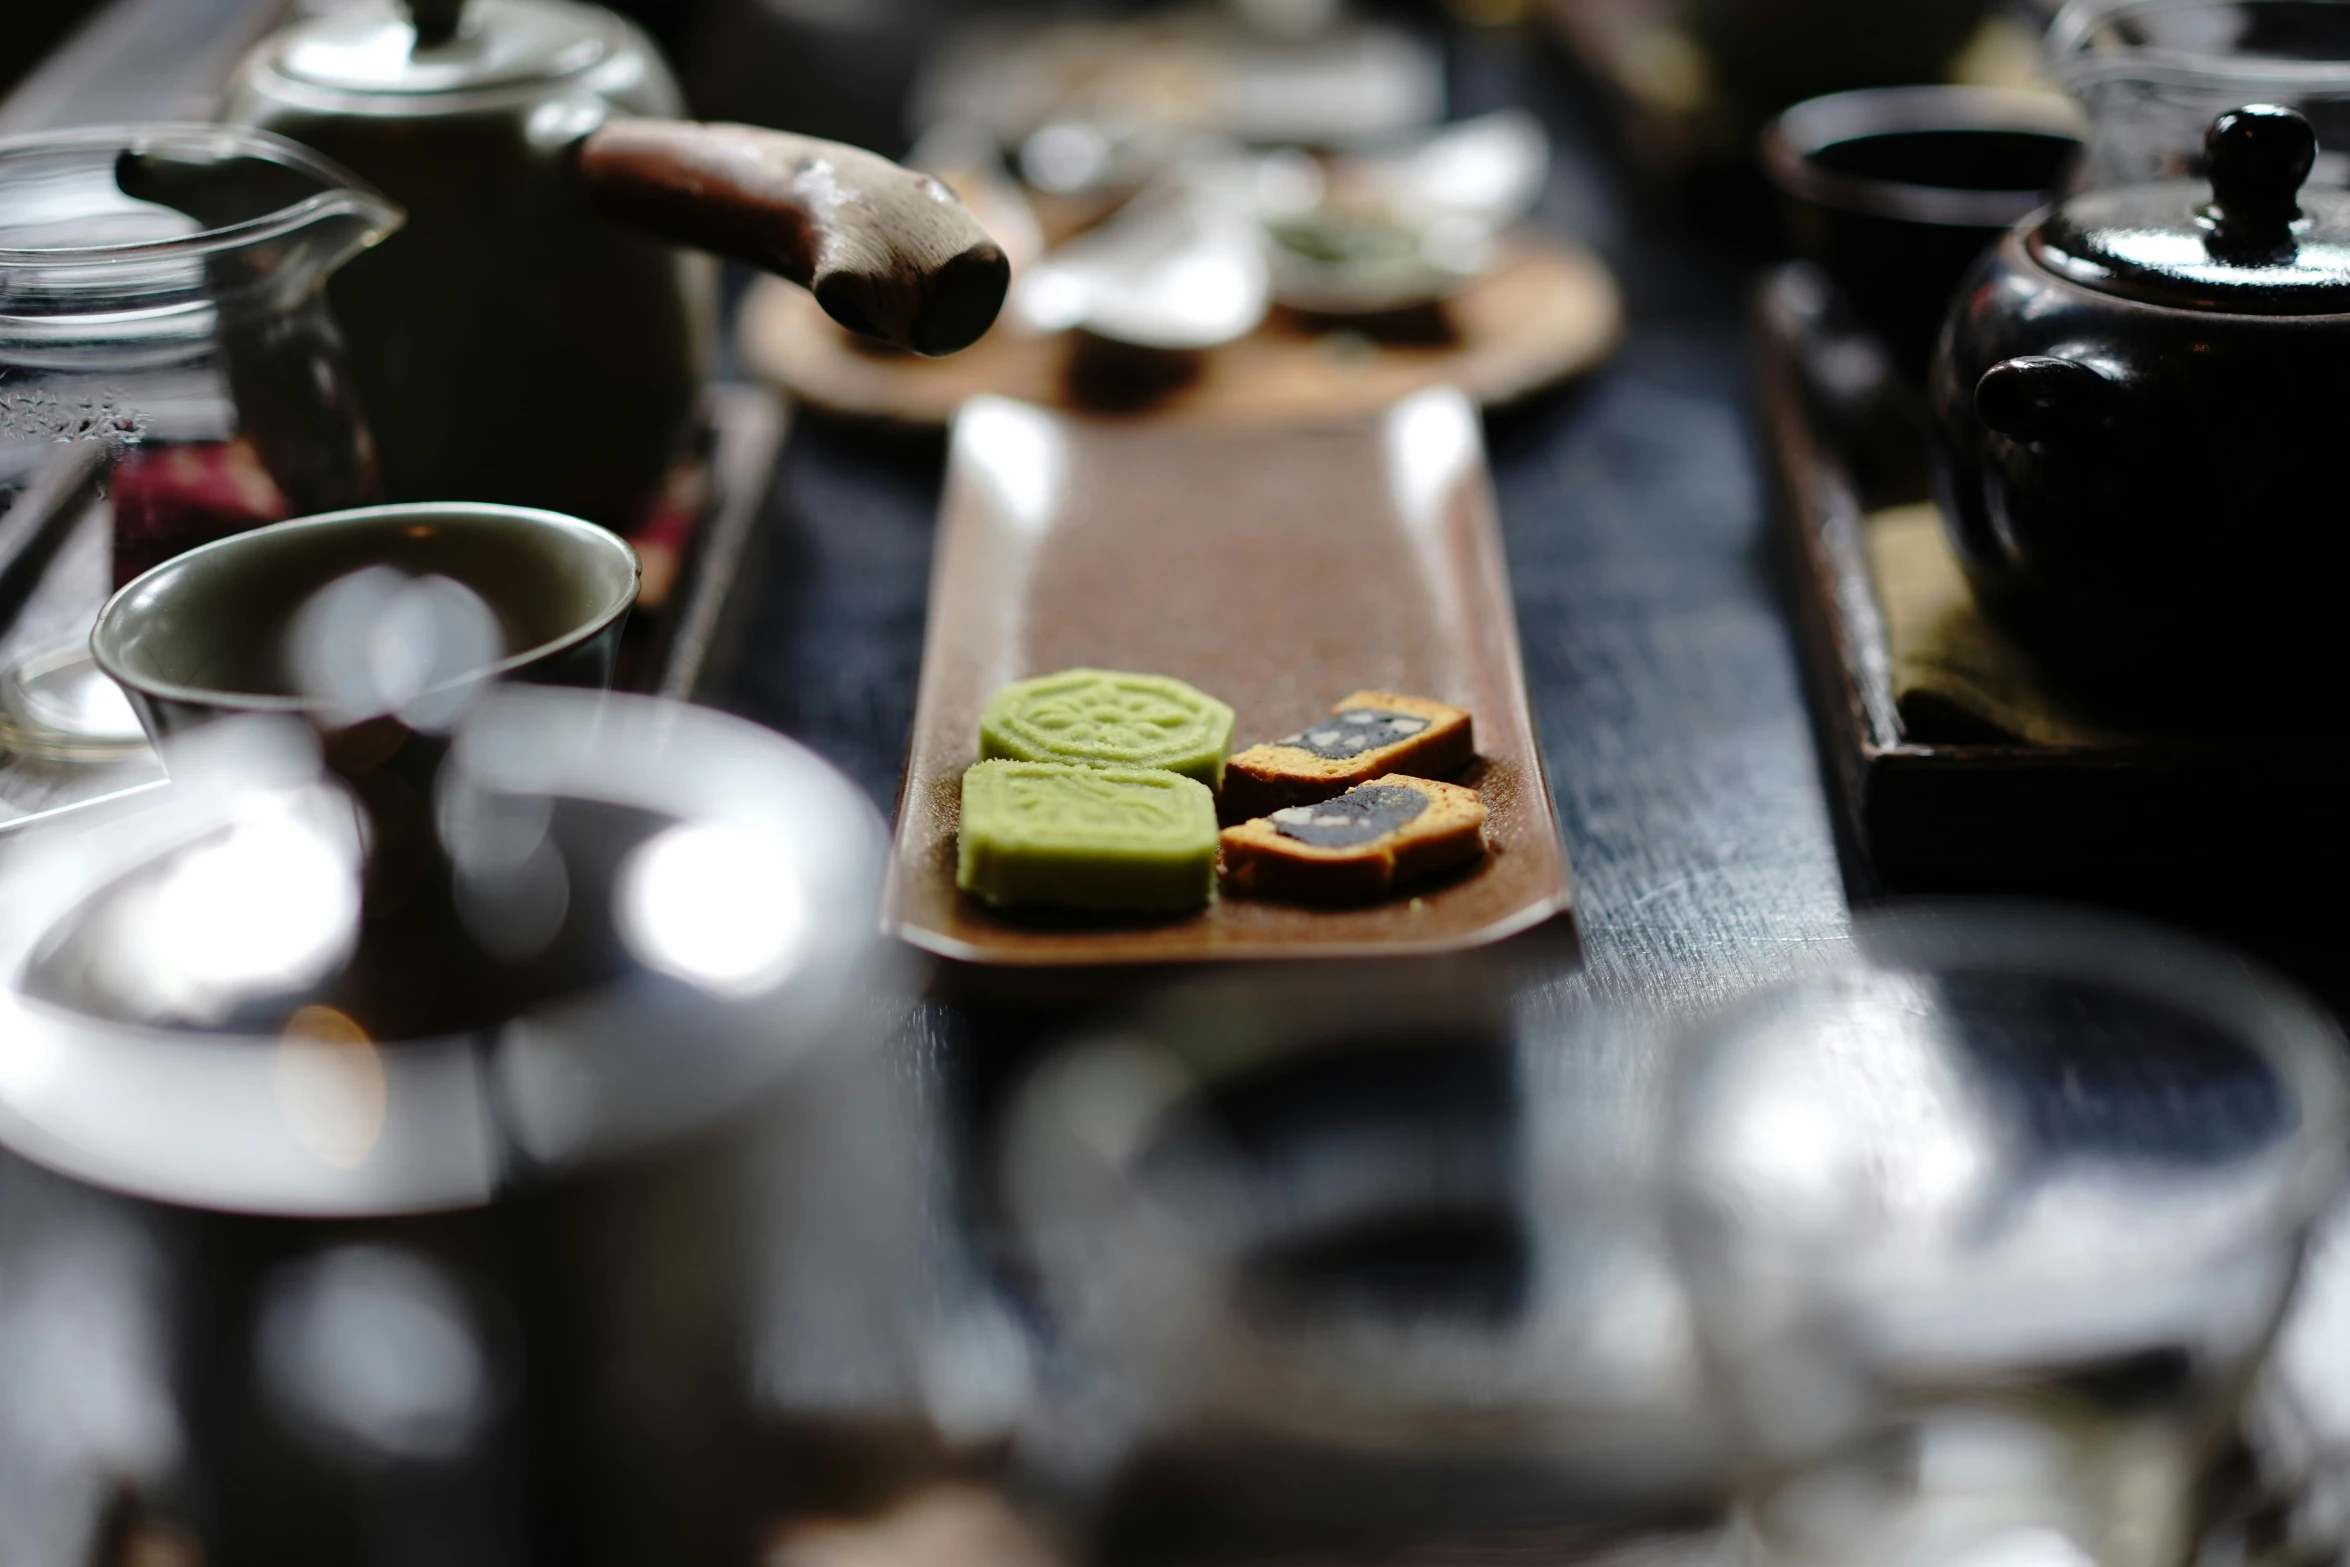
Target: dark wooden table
{"type": "Point", "coordinates": [1657, 650]}
{"type": "Point", "coordinates": [1663, 677]}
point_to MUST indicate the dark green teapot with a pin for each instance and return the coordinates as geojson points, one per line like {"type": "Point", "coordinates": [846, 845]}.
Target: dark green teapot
{"type": "Point", "coordinates": [535, 337]}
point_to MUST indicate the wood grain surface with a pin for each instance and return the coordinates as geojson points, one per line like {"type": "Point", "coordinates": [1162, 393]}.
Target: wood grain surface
{"type": "Point", "coordinates": [1548, 312]}
{"type": "Point", "coordinates": [1278, 569]}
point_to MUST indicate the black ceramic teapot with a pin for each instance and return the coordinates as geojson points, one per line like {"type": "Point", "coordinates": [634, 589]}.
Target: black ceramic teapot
{"type": "Point", "coordinates": [2138, 403]}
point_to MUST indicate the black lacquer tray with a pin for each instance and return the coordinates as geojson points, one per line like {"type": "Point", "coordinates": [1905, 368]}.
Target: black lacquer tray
{"type": "Point", "coordinates": [2240, 834]}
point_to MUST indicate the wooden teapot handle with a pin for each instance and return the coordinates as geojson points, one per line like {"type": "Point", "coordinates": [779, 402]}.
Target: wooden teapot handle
{"type": "Point", "coordinates": [886, 251]}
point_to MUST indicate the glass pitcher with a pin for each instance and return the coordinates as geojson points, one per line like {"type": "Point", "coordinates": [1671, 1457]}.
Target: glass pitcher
{"type": "Point", "coordinates": [2153, 74]}
{"type": "Point", "coordinates": [166, 357]}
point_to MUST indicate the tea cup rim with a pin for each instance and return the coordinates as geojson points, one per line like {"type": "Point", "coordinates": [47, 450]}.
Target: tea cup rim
{"type": "Point", "coordinates": [105, 634]}
{"type": "Point", "coordinates": [1793, 140]}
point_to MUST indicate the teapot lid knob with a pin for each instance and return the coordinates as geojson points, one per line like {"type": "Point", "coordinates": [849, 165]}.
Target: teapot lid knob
{"type": "Point", "coordinates": [435, 21]}
{"type": "Point", "coordinates": [2258, 156]}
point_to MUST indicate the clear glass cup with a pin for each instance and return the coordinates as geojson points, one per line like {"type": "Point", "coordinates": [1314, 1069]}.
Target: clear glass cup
{"type": "Point", "coordinates": [1987, 1232]}
{"type": "Point", "coordinates": [165, 351]}
{"type": "Point", "coordinates": [1335, 1267]}
{"type": "Point", "coordinates": [2153, 74]}
{"type": "Point", "coordinates": [563, 1275]}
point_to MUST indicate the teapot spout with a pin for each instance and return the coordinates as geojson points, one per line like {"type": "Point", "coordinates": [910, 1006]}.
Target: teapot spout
{"type": "Point", "coordinates": [273, 218]}
{"type": "Point", "coordinates": [344, 223]}
{"type": "Point", "coordinates": [887, 252]}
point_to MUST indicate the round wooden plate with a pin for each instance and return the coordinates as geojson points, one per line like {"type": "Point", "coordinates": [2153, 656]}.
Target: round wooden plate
{"type": "Point", "coordinates": [1548, 311]}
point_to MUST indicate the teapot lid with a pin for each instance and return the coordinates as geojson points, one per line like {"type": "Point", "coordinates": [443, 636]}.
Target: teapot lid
{"type": "Point", "coordinates": [2256, 245]}
{"type": "Point", "coordinates": [442, 46]}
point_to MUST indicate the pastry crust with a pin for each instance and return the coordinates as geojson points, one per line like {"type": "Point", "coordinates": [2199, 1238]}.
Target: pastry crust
{"type": "Point", "coordinates": [1290, 771]}
{"type": "Point", "coordinates": [1262, 860]}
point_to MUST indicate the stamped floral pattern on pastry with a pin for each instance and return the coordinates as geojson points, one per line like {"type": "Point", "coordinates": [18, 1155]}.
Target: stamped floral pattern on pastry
{"type": "Point", "coordinates": [1106, 718]}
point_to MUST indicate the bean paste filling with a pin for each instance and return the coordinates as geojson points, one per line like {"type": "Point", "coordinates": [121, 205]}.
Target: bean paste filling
{"type": "Point", "coordinates": [1359, 816]}
{"type": "Point", "coordinates": [1354, 732]}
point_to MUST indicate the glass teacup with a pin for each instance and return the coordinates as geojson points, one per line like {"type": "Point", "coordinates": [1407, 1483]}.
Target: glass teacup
{"type": "Point", "coordinates": [1340, 1266]}
{"type": "Point", "coordinates": [1987, 1233]}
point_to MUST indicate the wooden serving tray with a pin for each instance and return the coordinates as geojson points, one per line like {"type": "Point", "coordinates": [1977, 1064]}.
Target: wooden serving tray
{"type": "Point", "coordinates": [1548, 311]}
{"type": "Point", "coordinates": [2239, 834]}
{"type": "Point", "coordinates": [1278, 569]}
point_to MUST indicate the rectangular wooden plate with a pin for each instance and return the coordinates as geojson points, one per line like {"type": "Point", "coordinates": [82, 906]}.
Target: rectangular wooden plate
{"type": "Point", "coordinates": [1279, 569]}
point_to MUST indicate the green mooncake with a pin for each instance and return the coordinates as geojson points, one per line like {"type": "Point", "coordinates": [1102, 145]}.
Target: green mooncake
{"type": "Point", "coordinates": [1107, 719]}
{"type": "Point", "coordinates": [1086, 837]}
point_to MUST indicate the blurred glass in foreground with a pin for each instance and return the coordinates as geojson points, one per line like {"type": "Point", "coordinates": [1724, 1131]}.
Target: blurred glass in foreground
{"type": "Point", "coordinates": [505, 1287]}
{"type": "Point", "coordinates": [1330, 1277]}
{"type": "Point", "coordinates": [1988, 1229]}
{"type": "Point", "coordinates": [665, 909]}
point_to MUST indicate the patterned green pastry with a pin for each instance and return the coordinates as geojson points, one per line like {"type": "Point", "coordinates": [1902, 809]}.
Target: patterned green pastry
{"type": "Point", "coordinates": [1086, 837]}
{"type": "Point", "coordinates": [1107, 719]}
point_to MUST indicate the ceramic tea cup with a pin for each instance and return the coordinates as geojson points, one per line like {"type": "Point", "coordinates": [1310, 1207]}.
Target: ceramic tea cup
{"type": "Point", "coordinates": [1895, 191]}
{"type": "Point", "coordinates": [209, 633]}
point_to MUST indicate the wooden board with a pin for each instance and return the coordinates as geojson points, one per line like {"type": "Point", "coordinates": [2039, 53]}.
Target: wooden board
{"type": "Point", "coordinates": [1549, 311]}
{"type": "Point", "coordinates": [1278, 569]}
{"type": "Point", "coordinates": [2238, 835]}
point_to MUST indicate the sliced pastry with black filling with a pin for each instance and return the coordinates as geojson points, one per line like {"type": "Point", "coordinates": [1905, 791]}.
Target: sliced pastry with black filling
{"type": "Point", "coordinates": [1369, 734]}
{"type": "Point", "coordinates": [1358, 846]}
